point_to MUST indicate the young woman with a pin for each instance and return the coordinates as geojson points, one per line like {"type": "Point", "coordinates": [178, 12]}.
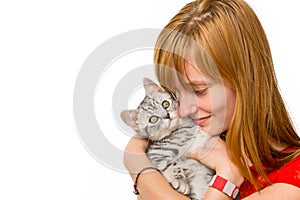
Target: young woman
{"type": "Point", "coordinates": [220, 51]}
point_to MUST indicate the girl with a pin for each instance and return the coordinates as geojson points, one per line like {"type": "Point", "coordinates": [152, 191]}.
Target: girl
{"type": "Point", "coordinates": [225, 82]}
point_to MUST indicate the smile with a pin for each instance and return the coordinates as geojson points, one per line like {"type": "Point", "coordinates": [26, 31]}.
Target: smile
{"type": "Point", "coordinates": [201, 121]}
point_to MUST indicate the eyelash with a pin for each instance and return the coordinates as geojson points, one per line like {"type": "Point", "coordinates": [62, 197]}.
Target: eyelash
{"type": "Point", "coordinates": [201, 91]}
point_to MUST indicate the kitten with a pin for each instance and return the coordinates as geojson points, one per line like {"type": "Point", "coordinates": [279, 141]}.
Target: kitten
{"type": "Point", "coordinates": [171, 137]}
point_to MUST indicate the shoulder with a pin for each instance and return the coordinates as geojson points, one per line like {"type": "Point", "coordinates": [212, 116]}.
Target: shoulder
{"type": "Point", "coordinates": [289, 173]}
{"type": "Point", "coordinates": [286, 178]}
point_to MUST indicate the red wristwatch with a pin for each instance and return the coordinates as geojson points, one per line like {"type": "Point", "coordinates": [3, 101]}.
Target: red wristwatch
{"type": "Point", "coordinates": [225, 186]}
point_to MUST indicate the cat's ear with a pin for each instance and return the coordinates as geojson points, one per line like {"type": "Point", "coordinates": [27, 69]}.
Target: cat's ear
{"type": "Point", "coordinates": [151, 87]}
{"type": "Point", "coordinates": [130, 118]}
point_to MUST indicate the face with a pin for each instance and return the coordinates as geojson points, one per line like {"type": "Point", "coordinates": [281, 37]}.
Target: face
{"type": "Point", "coordinates": [209, 103]}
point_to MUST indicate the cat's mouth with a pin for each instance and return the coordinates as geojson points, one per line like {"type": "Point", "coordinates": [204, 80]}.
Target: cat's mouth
{"type": "Point", "coordinates": [173, 120]}
{"type": "Point", "coordinates": [173, 123]}
{"type": "Point", "coordinates": [168, 116]}
{"type": "Point", "coordinates": [171, 115]}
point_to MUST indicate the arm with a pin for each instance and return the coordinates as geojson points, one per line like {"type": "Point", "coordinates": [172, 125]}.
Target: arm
{"type": "Point", "coordinates": [218, 160]}
{"type": "Point", "coordinates": [151, 184]}
{"type": "Point", "coordinates": [277, 191]}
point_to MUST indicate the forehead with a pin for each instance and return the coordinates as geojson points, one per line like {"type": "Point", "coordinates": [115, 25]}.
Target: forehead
{"type": "Point", "coordinates": [191, 77]}
{"type": "Point", "coordinates": [194, 75]}
{"type": "Point", "coordinates": [187, 72]}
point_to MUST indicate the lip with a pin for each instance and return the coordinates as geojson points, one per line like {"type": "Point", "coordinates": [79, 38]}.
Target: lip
{"type": "Point", "coordinates": [201, 121]}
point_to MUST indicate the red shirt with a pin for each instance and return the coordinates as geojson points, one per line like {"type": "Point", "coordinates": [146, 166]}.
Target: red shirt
{"type": "Point", "coordinates": [288, 173]}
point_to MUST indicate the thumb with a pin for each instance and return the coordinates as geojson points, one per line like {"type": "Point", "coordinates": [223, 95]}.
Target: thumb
{"type": "Point", "coordinates": [195, 154]}
{"type": "Point", "coordinates": [209, 154]}
{"type": "Point", "coordinates": [202, 155]}
{"type": "Point", "coordinates": [202, 152]}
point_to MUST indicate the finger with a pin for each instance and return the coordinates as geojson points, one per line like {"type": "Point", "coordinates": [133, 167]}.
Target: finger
{"type": "Point", "coordinates": [203, 152]}
{"type": "Point", "coordinates": [195, 154]}
{"type": "Point", "coordinates": [205, 160]}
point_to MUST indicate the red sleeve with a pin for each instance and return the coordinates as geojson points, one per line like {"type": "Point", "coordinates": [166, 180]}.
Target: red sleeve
{"type": "Point", "coordinates": [290, 173]}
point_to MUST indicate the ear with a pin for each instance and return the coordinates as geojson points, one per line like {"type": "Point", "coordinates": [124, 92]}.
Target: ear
{"type": "Point", "coordinates": [130, 118]}
{"type": "Point", "coordinates": [151, 87]}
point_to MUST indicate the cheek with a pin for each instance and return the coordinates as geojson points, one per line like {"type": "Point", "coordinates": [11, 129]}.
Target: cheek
{"type": "Point", "coordinates": [205, 103]}
{"type": "Point", "coordinates": [231, 98]}
{"type": "Point", "coordinates": [222, 107]}
{"type": "Point", "coordinates": [218, 99]}
{"type": "Point", "coordinates": [222, 101]}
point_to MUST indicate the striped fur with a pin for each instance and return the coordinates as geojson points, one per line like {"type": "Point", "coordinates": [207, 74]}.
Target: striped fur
{"type": "Point", "coordinates": [171, 138]}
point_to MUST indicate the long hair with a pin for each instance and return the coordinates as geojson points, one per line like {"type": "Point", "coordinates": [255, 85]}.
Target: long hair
{"type": "Point", "coordinates": [231, 41]}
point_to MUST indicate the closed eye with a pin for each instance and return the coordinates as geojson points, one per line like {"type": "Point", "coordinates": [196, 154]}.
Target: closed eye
{"type": "Point", "coordinates": [201, 91]}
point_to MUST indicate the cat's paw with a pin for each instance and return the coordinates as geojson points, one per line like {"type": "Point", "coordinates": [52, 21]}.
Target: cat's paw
{"type": "Point", "coordinates": [181, 186]}
{"type": "Point", "coordinates": [177, 178]}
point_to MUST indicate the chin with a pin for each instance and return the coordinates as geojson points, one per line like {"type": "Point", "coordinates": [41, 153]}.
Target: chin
{"type": "Point", "coordinates": [212, 131]}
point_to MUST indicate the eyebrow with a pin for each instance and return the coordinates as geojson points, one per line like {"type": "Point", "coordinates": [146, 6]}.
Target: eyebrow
{"type": "Point", "coordinates": [197, 83]}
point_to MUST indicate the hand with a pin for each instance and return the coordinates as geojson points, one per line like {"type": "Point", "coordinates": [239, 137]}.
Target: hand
{"type": "Point", "coordinates": [216, 157]}
{"type": "Point", "coordinates": [150, 185]}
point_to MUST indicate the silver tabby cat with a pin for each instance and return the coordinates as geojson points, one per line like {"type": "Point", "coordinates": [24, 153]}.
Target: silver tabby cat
{"type": "Point", "coordinates": [171, 138]}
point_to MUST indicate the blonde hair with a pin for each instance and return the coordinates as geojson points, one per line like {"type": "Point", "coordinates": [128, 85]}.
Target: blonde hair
{"type": "Point", "coordinates": [229, 40]}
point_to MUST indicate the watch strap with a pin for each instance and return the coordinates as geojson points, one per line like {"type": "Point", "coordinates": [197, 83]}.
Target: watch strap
{"type": "Point", "coordinates": [225, 186]}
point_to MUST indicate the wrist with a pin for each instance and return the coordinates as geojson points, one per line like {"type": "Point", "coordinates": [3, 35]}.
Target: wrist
{"type": "Point", "coordinates": [224, 186]}
{"type": "Point", "coordinates": [234, 177]}
{"type": "Point", "coordinates": [135, 191]}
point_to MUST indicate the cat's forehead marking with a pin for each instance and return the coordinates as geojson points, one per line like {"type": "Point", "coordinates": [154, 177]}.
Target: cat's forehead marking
{"type": "Point", "coordinates": [152, 104]}
{"type": "Point", "coordinates": [148, 104]}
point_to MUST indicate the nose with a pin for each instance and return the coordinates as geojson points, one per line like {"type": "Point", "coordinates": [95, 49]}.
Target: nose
{"type": "Point", "coordinates": [187, 104]}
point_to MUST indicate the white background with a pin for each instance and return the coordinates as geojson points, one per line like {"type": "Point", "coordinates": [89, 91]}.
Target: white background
{"type": "Point", "coordinates": [42, 47]}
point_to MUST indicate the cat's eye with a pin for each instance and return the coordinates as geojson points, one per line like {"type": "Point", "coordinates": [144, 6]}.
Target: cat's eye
{"type": "Point", "coordinates": [165, 104]}
{"type": "Point", "coordinates": [153, 119]}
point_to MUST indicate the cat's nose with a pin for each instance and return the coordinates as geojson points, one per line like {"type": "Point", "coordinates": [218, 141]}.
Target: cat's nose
{"type": "Point", "coordinates": [168, 116]}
